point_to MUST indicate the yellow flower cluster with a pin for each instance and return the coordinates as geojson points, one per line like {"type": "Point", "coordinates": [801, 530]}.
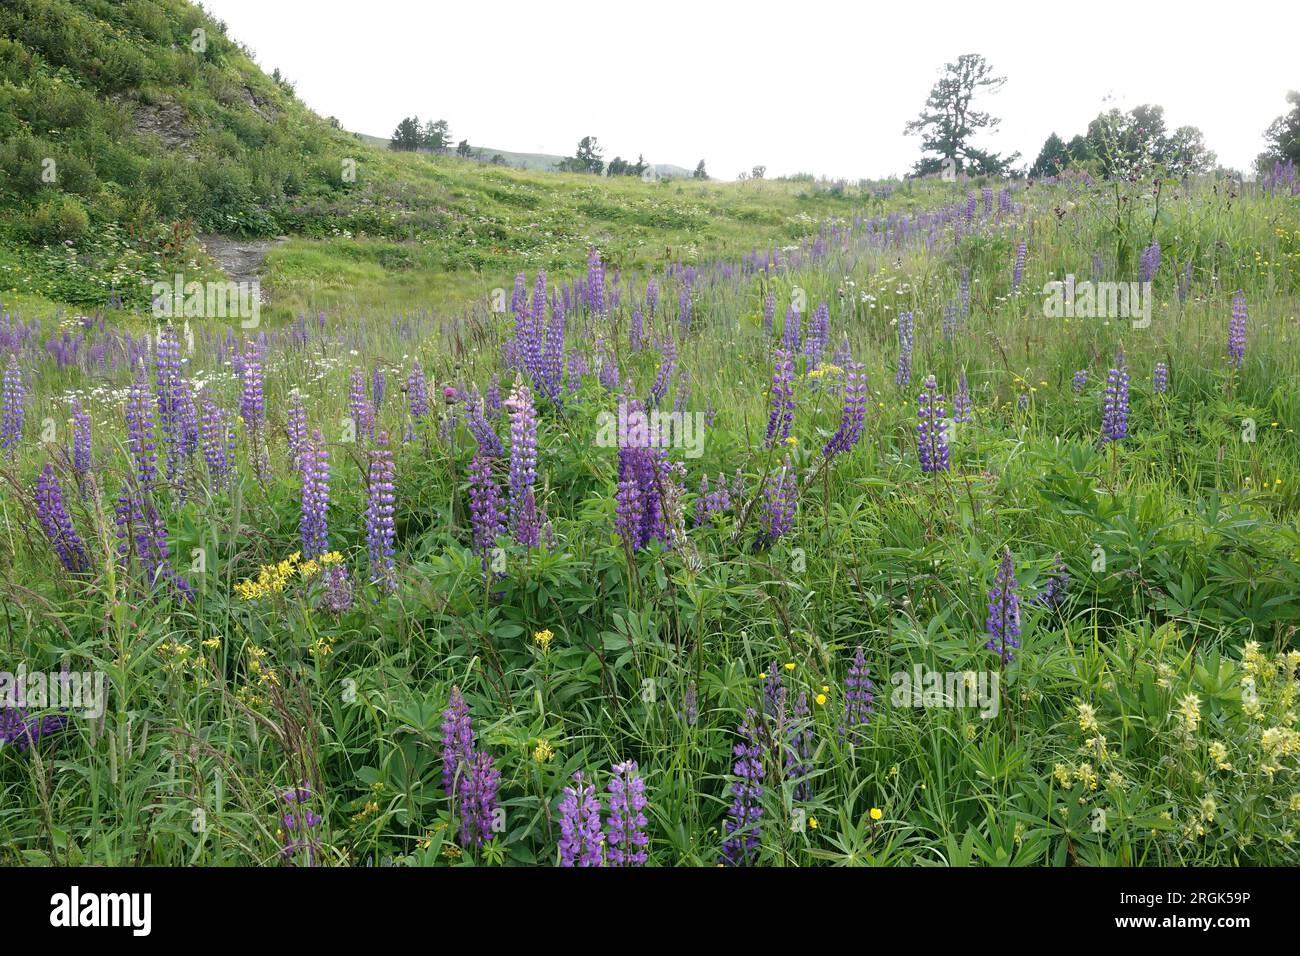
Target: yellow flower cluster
{"type": "Point", "coordinates": [1189, 713]}
{"type": "Point", "coordinates": [263, 673]}
{"type": "Point", "coordinates": [1084, 773]}
{"type": "Point", "coordinates": [274, 578]}
{"type": "Point", "coordinates": [179, 657]}
{"type": "Point", "coordinates": [824, 370]}
{"type": "Point", "coordinates": [1087, 718]}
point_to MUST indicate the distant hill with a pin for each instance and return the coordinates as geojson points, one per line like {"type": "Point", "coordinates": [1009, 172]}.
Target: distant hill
{"type": "Point", "coordinates": [544, 162]}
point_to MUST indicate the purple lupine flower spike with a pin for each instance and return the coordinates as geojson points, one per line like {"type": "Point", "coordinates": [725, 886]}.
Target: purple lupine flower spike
{"type": "Point", "coordinates": [475, 418]}
{"type": "Point", "coordinates": [296, 428]}
{"type": "Point", "coordinates": [252, 403]}
{"type": "Point", "coordinates": [780, 500]}
{"type": "Point", "coordinates": [169, 396]}
{"type": "Point", "coordinates": [379, 514]}
{"type": "Point", "coordinates": [636, 331]}
{"type": "Point", "coordinates": [1160, 378]}
{"type": "Point", "coordinates": [363, 413]}
{"type": "Point", "coordinates": [1003, 624]}
{"type": "Point", "coordinates": [13, 411]}
{"type": "Point", "coordinates": [487, 512]}
{"type": "Point", "coordinates": [932, 431]}
{"type": "Point", "coordinates": [141, 438]}
{"type": "Point", "coordinates": [818, 335]}
{"type": "Point", "coordinates": [854, 413]}
{"type": "Point", "coordinates": [664, 375]}
{"type": "Point", "coordinates": [745, 814]}
{"type": "Point", "coordinates": [1114, 421]}
{"type": "Point", "coordinates": [417, 393]}
{"type": "Point", "coordinates": [961, 404]}
{"type": "Point", "coordinates": [1056, 587]}
{"type": "Point", "coordinates": [80, 443]}
{"type": "Point", "coordinates": [782, 401]}
{"type": "Point", "coordinates": [905, 336]}
{"type": "Point", "coordinates": [457, 741]}
{"type": "Point", "coordinates": [626, 839]}
{"type": "Point", "coordinates": [478, 801]}
{"type": "Point", "coordinates": [1149, 264]}
{"type": "Point", "coordinates": [790, 333]}
{"type": "Point", "coordinates": [949, 320]}
{"type": "Point", "coordinates": [57, 524]}
{"type": "Point", "coordinates": [581, 839]}
{"type": "Point", "coordinates": [1237, 330]}
{"type": "Point", "coordinates": [799, 748]}
{"type": "Point", "coordinates": [315, 469]}
{"type": "Point", "coordinates": [217, 438]}
{"type": "Point", "coordinates": [858, 695]}
{"type": "Point", "coordinates": [523, 465]}
{"type": "Point", "coordinates": [1018, 271]}
{"type": "Point", "coordinates": [628, 505]}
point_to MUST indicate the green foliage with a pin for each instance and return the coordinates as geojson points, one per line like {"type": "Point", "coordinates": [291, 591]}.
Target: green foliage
{"type": "Point", "coordinates": [1283, 136]}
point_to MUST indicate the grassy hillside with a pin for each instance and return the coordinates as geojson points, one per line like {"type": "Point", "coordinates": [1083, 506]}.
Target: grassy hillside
{"type": "Point", "coordinates": [544, 162]}
{"type": "Point", "coordinates": [129, 128]}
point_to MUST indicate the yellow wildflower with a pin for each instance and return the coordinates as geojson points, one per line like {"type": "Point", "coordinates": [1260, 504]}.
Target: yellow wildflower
{"type": "Point", "coordinates": [1189, 713]}
{"type": "Point", "coordinates": [1087, 718]}
{"type": "Point", "coordinates": [1219, 754]}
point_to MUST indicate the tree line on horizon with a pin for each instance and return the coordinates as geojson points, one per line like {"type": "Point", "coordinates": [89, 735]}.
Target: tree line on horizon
{"type": "Point", "coordinates": [1114, 143]}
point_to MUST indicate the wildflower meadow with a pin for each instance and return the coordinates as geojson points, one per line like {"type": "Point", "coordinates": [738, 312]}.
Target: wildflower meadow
{"type": "Point", "coordinates": [948, 581]}
{"type": "Point", "coordinates": [951, 523]}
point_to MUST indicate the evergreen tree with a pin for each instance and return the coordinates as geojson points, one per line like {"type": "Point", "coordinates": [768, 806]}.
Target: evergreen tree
{"type": "Point", "coordinates": [407, 136]}
{"type": "Point", "coordinates": [949, 121]}
{"type": "Point", "coordinates": [1052, 158]}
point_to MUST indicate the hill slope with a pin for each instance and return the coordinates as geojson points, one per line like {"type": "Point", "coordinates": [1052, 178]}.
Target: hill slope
{"type": "Point", "coordinates": [543, 162]}
{"type": "Point", "coordinates": [128, 128]}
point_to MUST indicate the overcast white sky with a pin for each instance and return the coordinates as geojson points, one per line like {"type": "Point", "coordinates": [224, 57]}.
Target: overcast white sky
{"type": "Point", "coordinates": [809, 86]}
